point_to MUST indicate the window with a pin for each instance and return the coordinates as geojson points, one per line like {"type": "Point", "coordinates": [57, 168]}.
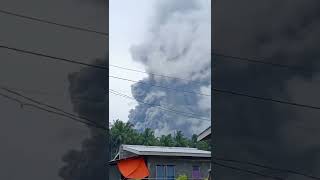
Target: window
{"type": "Point", "coordinates": [160, 172]}
{"type": "Point", "coordinates": [196, 172]}
{"type": "Point", "coordinates": [170, 172]}
{"type": "Point", "coordinates": [165, 172]}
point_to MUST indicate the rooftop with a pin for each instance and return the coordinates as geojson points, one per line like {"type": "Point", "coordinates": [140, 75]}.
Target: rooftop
{"type": "Point", "coordinates": [205, 134]}
{"type": "Point", "coordinates": [165, 151]}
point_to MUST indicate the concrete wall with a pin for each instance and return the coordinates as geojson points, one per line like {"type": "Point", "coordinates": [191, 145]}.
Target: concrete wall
{"type": "Point", "coordinates": [183, 166]}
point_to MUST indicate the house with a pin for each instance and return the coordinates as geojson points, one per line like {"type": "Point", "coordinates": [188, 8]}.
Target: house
{"type": "Point", "coordinates": [205, 135]}
{"type": "Point", "coordinates": [155, 162]}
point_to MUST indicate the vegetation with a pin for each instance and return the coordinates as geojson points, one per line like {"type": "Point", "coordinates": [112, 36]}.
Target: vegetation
{"type": "Point", "coordinates": [124, 133]}
{"type": "Point", "coordinates": [182, 177]}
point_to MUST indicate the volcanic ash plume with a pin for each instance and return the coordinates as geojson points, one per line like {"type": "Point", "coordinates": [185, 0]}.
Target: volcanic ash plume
{"type": "Point", "coordinates": [178, 44]}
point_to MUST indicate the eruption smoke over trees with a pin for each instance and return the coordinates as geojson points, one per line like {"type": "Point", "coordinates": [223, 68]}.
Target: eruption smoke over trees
{"type": "Point", "coordinates": [178, 44]}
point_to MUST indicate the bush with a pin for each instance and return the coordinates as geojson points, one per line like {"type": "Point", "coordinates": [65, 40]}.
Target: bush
{"type": "Point", "coordinates": [182, 177]}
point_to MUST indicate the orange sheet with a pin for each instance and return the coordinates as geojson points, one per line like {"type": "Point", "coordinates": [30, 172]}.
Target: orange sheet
{"type": "Point", "coordinates": [133, 168]}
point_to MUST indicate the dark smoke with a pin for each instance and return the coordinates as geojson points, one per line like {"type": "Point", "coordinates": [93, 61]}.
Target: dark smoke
{"type": "Point", "coordinates": [178, 44]}
{"type": "Point", "coordinates": [285, 32]}
{"type": "Point", "coordinates": [98, 2]}
{"type": "Point", "coordinates": [90, 162]}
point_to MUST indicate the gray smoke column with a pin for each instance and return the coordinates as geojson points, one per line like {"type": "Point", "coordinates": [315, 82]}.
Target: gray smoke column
{"type": "Point", "coordinates": [178, 44]}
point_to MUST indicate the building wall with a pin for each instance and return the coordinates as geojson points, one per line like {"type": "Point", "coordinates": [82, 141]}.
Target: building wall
{"type": "Point", "coordinates": [183, 165]}
{"type": "Point", "coordinates": [114, 173]}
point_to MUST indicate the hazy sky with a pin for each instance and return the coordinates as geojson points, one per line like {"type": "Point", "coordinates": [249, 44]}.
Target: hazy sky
{"type": "Point", "coordinates": [128, 26]}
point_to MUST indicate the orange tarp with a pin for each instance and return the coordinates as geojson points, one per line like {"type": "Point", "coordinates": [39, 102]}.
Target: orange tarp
{"type": "Point", "coordinates": [133, 168]}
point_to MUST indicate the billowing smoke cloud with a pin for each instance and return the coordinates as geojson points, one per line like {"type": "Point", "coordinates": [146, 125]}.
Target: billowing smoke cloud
{"type": "Point", "coordinates": [285, 32]}
{"type": "Point", "coordinates": [177, 44]}
{"type": "Point", "coordinates": [88, 94]}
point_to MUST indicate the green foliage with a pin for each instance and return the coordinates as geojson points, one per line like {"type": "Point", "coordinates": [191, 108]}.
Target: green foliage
{"type": "Point", "coordinates": [148, 138]}
{"type": "Point", "coordinates": [180, 140]}
{"type": "Point", "coordinates": [182, 177]}
{"type": "Point", "coordinates": [124, 133]}
{"type": "Point", "coordinates": [166, 140]}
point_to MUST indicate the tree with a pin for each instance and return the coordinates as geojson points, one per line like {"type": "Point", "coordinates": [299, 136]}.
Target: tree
{"type": "Point", "coordinates": [166, 140]}
{"type": "Point", "coordinates": [122, 133]}
{"type": "Point", "coordinates": [180, 140]}
{"type": "Point", "coordinates": [149, 138]}
{"type": "Point", "coordinates": [194, 141]}
{"type": "Point", "coordinates": [203, 145]}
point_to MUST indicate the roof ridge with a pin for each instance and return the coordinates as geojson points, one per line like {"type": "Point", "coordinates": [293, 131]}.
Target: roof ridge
{"type": "Point", "coordinates": [161, 146]}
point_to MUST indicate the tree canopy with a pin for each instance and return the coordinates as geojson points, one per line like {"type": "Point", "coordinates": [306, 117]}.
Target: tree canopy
{"type": "Point", "coordinates": [124, 133]}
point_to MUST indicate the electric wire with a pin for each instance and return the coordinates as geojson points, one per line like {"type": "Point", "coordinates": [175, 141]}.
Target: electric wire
{"type": "Point", "coordinates": [248, 171]}
{"type": "Point", "coordinates": [159, 86]}
{"type": "Point", "coordinates": [22, 104]}
{"type": "Point", "coordinates": [104, 128]}
{"type": "Point", "coordinates": [259, 61]}
{"type": "Point", "coordinates": [69, 115]}
{"type": "Point", "coordinates": [221, 91]}
{"type": "Point", "coordinates": [87, 64]}
{"type": "Point", "coordinates": [43, 104]}
{"type": "Point", "coordinates": [52, 23]}
{"type": "Point", "coordinates": [266, 167]}
{"type": "Point", "coordinates": [192, 115]}
{"type": "Point", "coordinates": [45, 93]}
{"type": "Point", "coordinates": [154, 74]}
{"type": "Point", "coordinates": [53, 57]}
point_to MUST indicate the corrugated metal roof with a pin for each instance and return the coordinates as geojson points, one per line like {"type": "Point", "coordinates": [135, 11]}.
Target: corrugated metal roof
{"type": "Point", "coordinates": [205, 134]}
{"type": "Point", "coordinates": [165, 151]}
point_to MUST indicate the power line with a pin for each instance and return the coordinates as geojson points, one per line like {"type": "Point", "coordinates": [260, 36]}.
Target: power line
{"type": "Point", "coordinates": [30, 91]}
{"type": "Point", "coordinates": [53, 57]}
{"type": "Point", "coordinates": [164, 87]}
{"type": "Point", "coordinates": [87, 64]}
{"type": "Point", "coordinates": [264, 98]}
{"type": "Point", "coordinates": [53, 23]}
{"type": "Point", "coordinates": [102, 127]}
{"type": "Point", "coordinates": [22, 104]}
{"type": "Point", "coordinates": [154, 74]}
{"type": "Point", "coordinates": [104, 67]}
{"type": "Point", "coordinates": [214, 89]}
{"type": "Point", "coordinates": [260, 61]}
{"type": "Point", "coordinates": [100, 67]}
{"type": "Point", "coordinates": [192, 115]}
{"type": "Point", "coordinates": [248, 171]}
{"type": "Point", "coordinates": [43, 104]}
{"type": "Point", "coordinates": [266, 167]}
{"type": "Point", "coordinates": [44, 93]}
{"type": "Point", "coordinates": [91, 123]}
